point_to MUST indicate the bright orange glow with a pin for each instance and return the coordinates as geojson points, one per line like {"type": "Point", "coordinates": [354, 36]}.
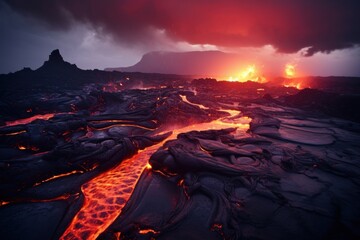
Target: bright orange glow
{"type": "Point", "coordinates": [146, 231]}
{"type": "Point", "coordinates": [248, 74]}
{"type": "Point", "coordinates": [30, 119]}
{"type": "Point", "coordinates": [32, 148]}
{"type": "Point", "coordinates": [21, 147]}
{"type": "Point", "coordinates": [293, 84]}
{"type": "Point", "coordinates": [289, 70]}
{"type": "Point", "coordinates": [107, 194]}
{"type": "Point", "coordinates": [3, 203]}
{"type": "Point", "coordinates": [148, 166]}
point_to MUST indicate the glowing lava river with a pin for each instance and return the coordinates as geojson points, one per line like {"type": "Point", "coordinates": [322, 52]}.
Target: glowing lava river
{"type": "Point", "coordinates": [107, 194]}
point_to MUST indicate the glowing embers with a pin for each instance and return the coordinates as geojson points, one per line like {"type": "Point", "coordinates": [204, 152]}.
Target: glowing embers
{"type": "Point", "coordinates": [30, 119]}
{"type": "Point", "coordinates": [31, 148]}
{"type": "Point", "coordinates": [251, 73]}
{"type": "Point", "coordinates": [113, 87]}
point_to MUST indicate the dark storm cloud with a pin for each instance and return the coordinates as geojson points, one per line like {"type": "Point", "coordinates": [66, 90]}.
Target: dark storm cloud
{"type": "Point", "coordinates": [288, 25]}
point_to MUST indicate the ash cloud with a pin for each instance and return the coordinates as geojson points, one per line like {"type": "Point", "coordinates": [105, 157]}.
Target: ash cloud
{"type": "Point", "coordinates": [318, 26]}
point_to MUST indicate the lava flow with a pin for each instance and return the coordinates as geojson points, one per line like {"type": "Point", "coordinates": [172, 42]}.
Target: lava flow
{"type": "Point", "coordinates": [107, 194]}
{"type": "Point", "coordinates": [30, 119]}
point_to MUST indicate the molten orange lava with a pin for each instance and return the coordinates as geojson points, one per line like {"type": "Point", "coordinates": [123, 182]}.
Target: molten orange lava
{"type": "Point", "coordinates": [30, 119]}
{"type": "Point", "coordinates": [249, 74]}
{"type": "Point", "coordinates": [107, 194]}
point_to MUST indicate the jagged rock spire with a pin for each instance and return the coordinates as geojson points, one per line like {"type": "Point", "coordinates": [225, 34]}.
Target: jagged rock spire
{"type": "Point", "coordinates": [55, 56]}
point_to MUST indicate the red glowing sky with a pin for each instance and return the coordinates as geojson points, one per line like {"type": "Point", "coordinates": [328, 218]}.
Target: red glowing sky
{"type": "Point", "coordinates": [116, 33]}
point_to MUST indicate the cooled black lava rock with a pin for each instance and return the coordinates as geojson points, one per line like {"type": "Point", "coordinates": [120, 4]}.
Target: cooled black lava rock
{"type": "Point", "coordinates": [334, 104]}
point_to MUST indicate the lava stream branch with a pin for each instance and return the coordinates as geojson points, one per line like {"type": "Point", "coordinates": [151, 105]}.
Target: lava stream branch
{"type": "Point", "coordinates": [106, 195]}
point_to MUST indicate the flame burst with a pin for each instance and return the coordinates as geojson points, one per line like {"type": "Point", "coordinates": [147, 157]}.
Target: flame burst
{"type": "Point", "coordinates": [249, 74]}
{"type": "Point", "coordinates": [291, 81]}
{"type": "Point", "coordinates": [289, 70]}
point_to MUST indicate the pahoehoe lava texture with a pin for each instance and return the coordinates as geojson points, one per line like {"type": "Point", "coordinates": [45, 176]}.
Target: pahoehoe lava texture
{"type": "Point", "coordinates": [47, 161]}
{"type": "Point", "coordinates": [292, 176]}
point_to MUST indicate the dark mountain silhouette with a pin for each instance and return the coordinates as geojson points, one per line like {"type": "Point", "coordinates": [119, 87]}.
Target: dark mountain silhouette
{"type": "Point", "coordinates": [56, 63]}
{"type": "Point", "coordinates": [55, 72]}
{"type": "Point", "coordinates": [209, 63]}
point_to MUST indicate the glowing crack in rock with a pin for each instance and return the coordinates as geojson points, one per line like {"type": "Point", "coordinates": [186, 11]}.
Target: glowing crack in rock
{"type": "Point", "coordinates": [107, 194]}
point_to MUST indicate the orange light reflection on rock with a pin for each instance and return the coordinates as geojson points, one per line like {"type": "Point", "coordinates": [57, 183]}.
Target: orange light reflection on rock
{"type": "Point", "coordinates": [107, 194]}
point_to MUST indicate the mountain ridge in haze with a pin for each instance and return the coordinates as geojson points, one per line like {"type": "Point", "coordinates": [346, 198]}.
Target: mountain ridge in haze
{"type": "Point", "coordinates": [183, 63]}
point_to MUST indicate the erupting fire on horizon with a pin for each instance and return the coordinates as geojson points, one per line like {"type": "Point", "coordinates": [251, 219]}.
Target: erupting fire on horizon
{"type": "Point", "coordinates": [249, 74]}
{"type": "Point", "coordinates": [289, 70]}
{"type": "Point", "coordinates": [290, 75]}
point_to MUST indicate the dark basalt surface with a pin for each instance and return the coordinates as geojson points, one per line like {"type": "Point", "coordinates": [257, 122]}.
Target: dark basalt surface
{"type": "Point", "coordinates": [294, 174]}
